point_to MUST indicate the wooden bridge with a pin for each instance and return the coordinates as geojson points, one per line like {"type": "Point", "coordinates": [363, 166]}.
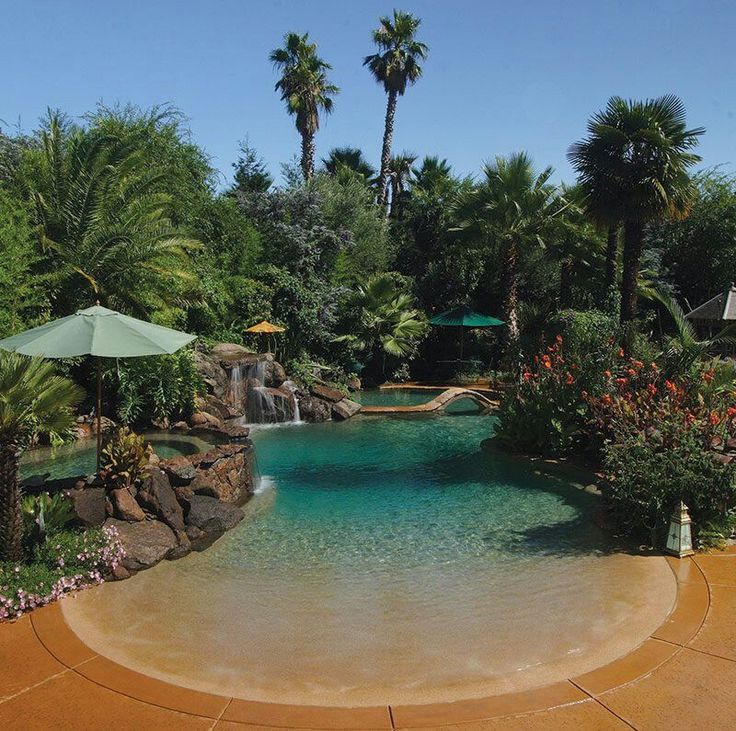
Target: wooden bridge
{"type": "Point", "coordinates": [439, 402]}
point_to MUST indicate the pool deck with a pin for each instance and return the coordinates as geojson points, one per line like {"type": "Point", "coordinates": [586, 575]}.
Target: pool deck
{"type": "Point", "coordinates": [439, 402]}
{"type": "Point", "coordinates": [683, 676]}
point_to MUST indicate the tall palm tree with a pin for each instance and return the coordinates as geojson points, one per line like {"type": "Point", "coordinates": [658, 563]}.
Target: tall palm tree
{"type": "Point", "coordinates": [400, 168]}
{"type": "Point", "coordinates": [348, 157]}
{"type": "Point", "coordinates": [513, 208]}
{"type": "Point", "coordinates": [103, 215]}
{"type": "Point", "coordinates": [633, 167]}
{"type": "Point", "coordinates": [305, 89]}
{"type": "Point", "coordinates": [33, 400]}
{"type": "Point", "coordinates": [611, 255]}
{"type": "Point", "coordinates": [396, 64]}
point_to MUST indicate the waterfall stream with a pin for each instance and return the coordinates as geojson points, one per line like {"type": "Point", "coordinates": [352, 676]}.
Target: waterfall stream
{"type": "Point", "coordinates": [247, 390]}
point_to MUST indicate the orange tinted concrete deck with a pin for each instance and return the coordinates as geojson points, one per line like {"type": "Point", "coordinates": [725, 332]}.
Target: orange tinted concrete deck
{"type": "Point", "coordinates": [683, 676]}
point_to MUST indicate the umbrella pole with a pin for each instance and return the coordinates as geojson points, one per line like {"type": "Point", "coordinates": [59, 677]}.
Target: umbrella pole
{"type": "Point", "coordinates": [99, 413]}
{"type": "Point", "coordinates": [462, 340]}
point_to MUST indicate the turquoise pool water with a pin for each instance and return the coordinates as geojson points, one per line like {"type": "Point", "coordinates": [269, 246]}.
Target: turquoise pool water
{"type": "Point", "coordinates": [394, 397]}
{"type": "Point", "coordinates": [386, 559]}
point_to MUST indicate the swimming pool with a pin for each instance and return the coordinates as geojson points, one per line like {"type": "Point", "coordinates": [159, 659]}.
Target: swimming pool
{"type": "Point", "coordinates": [386, 560]}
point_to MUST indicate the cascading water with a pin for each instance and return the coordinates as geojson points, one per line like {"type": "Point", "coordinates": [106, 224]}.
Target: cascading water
{"type": "Point", "coordinates": [261, 404]}
{"type": "Point", "coordinates": [293, 388]}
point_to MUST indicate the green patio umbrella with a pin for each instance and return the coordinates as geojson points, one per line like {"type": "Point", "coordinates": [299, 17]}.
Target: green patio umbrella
{"type": "Point", "coordinates": [463, 317]}
{"type": "Point", "coordinates": [99, 332]}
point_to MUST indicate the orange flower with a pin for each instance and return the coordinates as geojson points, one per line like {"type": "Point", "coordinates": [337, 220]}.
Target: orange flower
{"type": "Point", "coordinates": [607, 374]}
{"type": "Point", "coordinates": [714, 418]}
{"type": "Point", "coordinates": [570, 380]}
{"type": "Point", "coordinates": [631, 372]}
{"type": "Point", "coordinates": [606, 399]}
{"type": "Point", "coordinates": [731, 411]}
{"type": "Point", "coordinates": [652, 389]}
{"type": "Point", "coordinates": [621, 353]}
{"type": "Point", "coordinates": [670, 386]}
{"type": "Point", "coordinates": [558, 339]}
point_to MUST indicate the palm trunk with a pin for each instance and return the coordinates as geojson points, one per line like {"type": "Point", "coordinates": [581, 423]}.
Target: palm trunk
{"type": "Point", "coordinates": [511, 297]}
{"type": "Point", "coordinates": [11, 524]}
{"type": "Point", "coordinates": [308, 155]}
{"type": "Point", "coordinates": [633, 236]}
{"type": "Point", "coordinates": [388, 134]}
{"type": "Point", "coordinates": [394, 211]}
{"type": "Point", "coordinates": [611, 256]}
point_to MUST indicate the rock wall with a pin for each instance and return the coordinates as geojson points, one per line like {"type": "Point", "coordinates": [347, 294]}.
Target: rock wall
{"type": "Point", "coordinates": [180, 504]}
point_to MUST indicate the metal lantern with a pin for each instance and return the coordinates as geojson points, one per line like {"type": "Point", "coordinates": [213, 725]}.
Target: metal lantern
{"type": "Point", "coordinates": [679, 537]}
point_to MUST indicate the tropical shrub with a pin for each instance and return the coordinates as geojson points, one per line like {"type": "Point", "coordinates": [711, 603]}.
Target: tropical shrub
{"type": "Point", "coordinates": [545, 413]}
{"type": "Point", "coordinates": [157, 388]}
{"type": "Point", "coordinates": [44, 515]}
{"type": "Point", "coordinates": [662, 443]}
{"type": "Point", "coordinates": [70, 561]}
{"type": "Point", "coordinates": [123, 459]}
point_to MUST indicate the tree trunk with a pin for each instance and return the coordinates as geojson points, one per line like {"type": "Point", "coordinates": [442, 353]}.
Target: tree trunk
{"type": "Point", "coordinates": [308, 156]}
{"type": "Point", "coordinates": [611, 256]}
{"type": "Point", "coordinates": [633, 235]}
{"type": "Point", "coordinates": [394, 210]}
{"type": "Point", "coordinates": [388, 134]}
{"type": "Point", "coordinates": [11, 524]}
{"type": "Point", "coordinates": [511, 298]}
{"type": "Point", "coordinates": [565, 284]}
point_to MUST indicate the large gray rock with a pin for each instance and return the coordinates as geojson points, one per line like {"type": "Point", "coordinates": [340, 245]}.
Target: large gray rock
{"type": "Point", "coordinates": [213, 374]}
{"type": "Point", "coordinates": [146, 542]}
{"type": "Point", "coordinates": [179, 470]}
{"type": "Point", "coordinates": [313, 409]}
{"type": "Point", "coordinates": [88, 504]}
{"type": "Point", "coordinates": [345, 409]}
{"type": "Point", "coordinates": [212, 516]}
{"type": "Point", "coordinates": [230, 352]}
{"type": "Point", "coordinates": [157, 496]}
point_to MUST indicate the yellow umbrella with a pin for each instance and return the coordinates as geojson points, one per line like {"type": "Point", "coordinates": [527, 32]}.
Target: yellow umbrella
{"type": "Point", "coordinates": [265, 327]}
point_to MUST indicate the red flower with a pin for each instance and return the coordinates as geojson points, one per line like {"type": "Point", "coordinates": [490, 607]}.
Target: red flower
{"type": "Point", "coordinates": [670, 386]}
{"type": "Point", "coordinates": [714, 418]}
{"type": "Point", "coordinates": [621, 353]}
{"type": "Point", "coordinates": [606, 399]}
{"type": "Point", "coordinates": [558, 339]}
{"type": "Point", "coordinates": [622, 381]}
{"type": "Point", "coordinates": [570, 380]}
{"type": "Point", "coordinates": [631, 372]}
{"type": "Point", "coordinates": [652, 389]}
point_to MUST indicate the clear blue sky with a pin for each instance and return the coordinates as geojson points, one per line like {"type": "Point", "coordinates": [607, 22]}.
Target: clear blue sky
{"type": "Point", "coordinates": [501, 76]}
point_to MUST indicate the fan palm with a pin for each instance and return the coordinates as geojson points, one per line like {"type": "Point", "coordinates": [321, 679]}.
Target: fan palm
{"type": "Point", "coordinates": [386, 320]}
{"type": "Point", "coordinates": [396, 65]}
{"type": "Point", "coordinates": [33, 400]}
{"type": "Point", "coordinates": [633, 167]}
{"type": "Point", "coordinates": [305, 89]}
{"type": "Point", "coordinates": [102, 211]}
{"type": "Point", "coordinates": [350, 158]}
{"type": "Point", "coordinates": [400, 173]}
{"type": "Point", "coordinates": [514, 207]}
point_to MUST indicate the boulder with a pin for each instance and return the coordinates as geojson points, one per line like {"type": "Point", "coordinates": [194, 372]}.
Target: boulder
{"type": "Point", "coordinates": [182, 548]}
{"type": "Point", "coordinates": [145, 542]}
{"type": "Point", "coordinates": [210, 404]}
{"type": "Point", "coordinates": [157, 496]}
{"type": "Point", "coordinates": [212, 516]}
{"type": "Point", "coordinates": [274, 374]}
{"type": "Point", "coordinates": [197, 419]}
{"type": "Point", "coordinates": [124, 505]}
{"type": "Point", "coordinates": [345, 409]}
{"type": "Point", "coordinates": [327, 392]}
{"type": "Point", "coordinates": [88, 504]}
{"type": "Point", "coordinates": [224, 473]}
{"type": "Point", "coordinates": [230, 352]}
{"type": "Point", "coordinates": [354, 383]}
{"type": "Point", "coordinates": [179, 470]}
{"type": "Point", "coordinates": [313, 409]}
{"type": "Point", "coordinates": [212, 373]}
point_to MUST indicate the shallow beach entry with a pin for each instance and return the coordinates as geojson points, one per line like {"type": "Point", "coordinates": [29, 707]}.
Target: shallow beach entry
{"type": "Point", "coordinates": [386, 560]}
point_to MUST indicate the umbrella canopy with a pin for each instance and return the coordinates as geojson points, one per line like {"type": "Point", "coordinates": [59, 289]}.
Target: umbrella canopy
{"type": "Point", "coordinates": [100, 332]}
{"type": "Point", "coordinates": [265, 327]}
{"type": "Point", "coordinates": [464, 317]}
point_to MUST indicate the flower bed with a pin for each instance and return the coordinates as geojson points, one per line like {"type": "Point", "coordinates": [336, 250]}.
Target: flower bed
{"type": "Point", "coordinates": [65, 562]}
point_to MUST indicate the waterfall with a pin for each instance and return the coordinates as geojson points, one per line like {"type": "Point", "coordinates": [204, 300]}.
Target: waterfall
{"type": "Point", "coordinates": [262, 405]}
{"type": "Point", "coordinates": [293, 388]}
{"type": "Point", "coordinates": [235, 392]}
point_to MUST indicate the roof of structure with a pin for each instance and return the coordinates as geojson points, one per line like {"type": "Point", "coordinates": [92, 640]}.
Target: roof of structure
{"type": "Point", "coordinates": [720, 307]}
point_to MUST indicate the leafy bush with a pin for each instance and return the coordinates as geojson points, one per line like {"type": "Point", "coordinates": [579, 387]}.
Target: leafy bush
{"type": "Point", "coordinates": [123, 459]}
{"type": "Point", "coordinates": [158, 388]}
{"type": "Point", "coordinates": [544, 414]}
{"type": "Point", "coordinates": [662, 443]}
{"type": "Point", "coordinates": [44, 515]}
{"type": "Point", "coordinates": [73, 560]}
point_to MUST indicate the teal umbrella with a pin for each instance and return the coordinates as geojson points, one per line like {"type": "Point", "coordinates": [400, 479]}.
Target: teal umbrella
{"type": "Point", "coordinates": [99, 332]}
{"type": "Point", "coordinates": [463, 317]}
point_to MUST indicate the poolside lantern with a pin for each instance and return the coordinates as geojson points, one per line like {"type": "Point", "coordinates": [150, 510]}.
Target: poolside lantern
{"type": "Point", "coordinates": [99, 332]}
{"type": "Point", "coordinates": [679, 537]}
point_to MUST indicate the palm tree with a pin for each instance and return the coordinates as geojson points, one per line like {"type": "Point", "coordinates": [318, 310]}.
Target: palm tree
{"type": "Point", "coordinates": [386, 322]}
{"type": "Point", "coordinates": [513, 208]}
{"type": "Point", "coordinates": [396, 64]}
{"type": "Point", "coordinates": [611, 255]}
{"type": "Point", "coordinates": [305, 90]}
{"type": "Point", "coordinates": [633, 167]}
{"type": "Point", "coordinates": [103, 215]}
{"type": "Point", "coordinates": [400, 174]}
{"type": "Point", "coordinates": [348, 157]}
{"type": "Point", "coordinates": [33, 400]}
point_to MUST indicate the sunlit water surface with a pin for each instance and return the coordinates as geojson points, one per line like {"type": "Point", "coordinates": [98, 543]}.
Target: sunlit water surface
{"type": "Point", "coordinates": [386, 559]}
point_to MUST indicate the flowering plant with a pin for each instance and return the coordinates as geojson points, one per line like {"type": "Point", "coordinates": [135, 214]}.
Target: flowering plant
{"type": "Point", "coordinates": [69, 561]}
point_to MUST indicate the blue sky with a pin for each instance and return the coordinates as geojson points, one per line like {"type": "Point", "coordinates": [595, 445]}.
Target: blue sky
{"type": "Point", "coordinates": [500, 77]}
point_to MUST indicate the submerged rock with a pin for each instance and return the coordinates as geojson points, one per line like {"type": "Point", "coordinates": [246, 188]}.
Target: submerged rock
{"type": "Point", "coordinates": [345, 409]}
